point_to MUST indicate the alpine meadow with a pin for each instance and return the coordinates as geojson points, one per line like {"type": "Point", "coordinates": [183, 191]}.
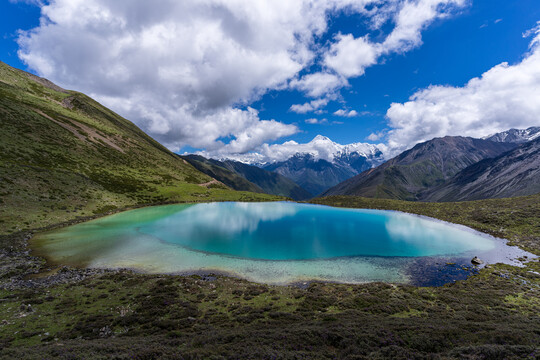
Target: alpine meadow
{"type": "Point", "coordinates": [256, 179]}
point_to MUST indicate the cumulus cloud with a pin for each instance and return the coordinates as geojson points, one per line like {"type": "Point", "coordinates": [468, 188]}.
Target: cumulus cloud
{"type": "Point", "coordinates": [504, 97]}
{"type": "Point", "coordinates": [348, 57]}
{"type": "Point", "coordinates": [309, 106]}
{"type": "Point", "coordinates": [345, 113]}
{"type": "Point", "coordinates": [319, 84]}
{"type": "Point", "coordinates": [187, 71]}
{"type": "Point", "coordinates": [176, 68]}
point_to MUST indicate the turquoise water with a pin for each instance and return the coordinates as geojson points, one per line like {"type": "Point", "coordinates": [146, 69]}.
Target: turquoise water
{"type": "Point", "coordinates": [267, 242]}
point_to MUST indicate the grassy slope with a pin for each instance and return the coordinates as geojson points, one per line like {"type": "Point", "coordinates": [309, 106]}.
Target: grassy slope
{"type": "Point", "coordinates": [217, 171]}
{"type": "Point", "coordinates": [63, 155]}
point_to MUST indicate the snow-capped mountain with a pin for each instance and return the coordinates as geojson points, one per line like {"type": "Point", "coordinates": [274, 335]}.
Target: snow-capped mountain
{"type": "Point", "coordinates": [317, 165]}
{"type": "Point", "coordinates": [320, 148]}
{"type": "Point", "coordinates": [323, 148]}
{"type": "Point", "coordinates": [516, 136]}
{"type": "Point", "coordinates": [322, 163]}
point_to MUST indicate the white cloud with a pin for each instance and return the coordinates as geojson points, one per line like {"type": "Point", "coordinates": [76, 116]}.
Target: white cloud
{"type": "Point", "coordinates": [348, 57]}
{"type": "Point", "coordinates": [504, 97]}
{"type": "Point", "coordinates": [309, 106]}
{"type": "Point", "coordinates": [413, 17]}
{"type": "Point", "coordinates": [319, 84]}
{"type": "Point", "coordinates": [376, 136]}
{"type": "Point", "coordinates": [186, 71]}
{"type": "Point", "coordinates": [316, 121]}
{"type": "Point", "coordinates": [177, 67]}
{"type": "Point", "coordinates": [31, 2]}
{"type": "Point", "coordinates": [256, 133]}
{"type": "Point", "coordinates": [532, 32]}
{"type": "Point", "coordinates": [345, 113]}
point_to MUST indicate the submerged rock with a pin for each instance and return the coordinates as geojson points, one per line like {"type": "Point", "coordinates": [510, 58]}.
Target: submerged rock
{"type": "Point", "coordinates": [476, 261]}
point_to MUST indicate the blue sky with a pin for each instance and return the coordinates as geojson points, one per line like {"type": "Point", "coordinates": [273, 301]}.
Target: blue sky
{"type": "Point", "coordinates": [453, 51]}
{"type": "Point", "coordinates": [235, 98]}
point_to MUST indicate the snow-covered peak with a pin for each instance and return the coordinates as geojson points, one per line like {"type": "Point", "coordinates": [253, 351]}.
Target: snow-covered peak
{"type": "Point", "coordinates": [361, 148]}
{"type": "Point", "coordinates": [321, 138]}
{"type": "Point", "coordinates": [321, 147]}
{"type": "Point", "coordinates": [516, 136]}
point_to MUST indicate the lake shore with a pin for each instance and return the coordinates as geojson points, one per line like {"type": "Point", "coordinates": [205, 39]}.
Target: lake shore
{"type": "Point", "coordinates": [112, 313]}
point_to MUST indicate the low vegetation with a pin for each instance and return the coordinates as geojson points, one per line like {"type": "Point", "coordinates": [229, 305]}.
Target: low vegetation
{"type": "Point", "coordinates": [70, 313]}
{"type": "Point", "coordinates": [124, 315]}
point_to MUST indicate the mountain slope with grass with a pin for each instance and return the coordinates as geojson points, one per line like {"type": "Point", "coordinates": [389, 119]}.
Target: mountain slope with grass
{"type": "Point", "coordinates": [425, 166]}
{"type": "Point", "coordinates": [219, 171]}
{"type": "Point", "coordinates": [514, 173]}
{"type": "Point", "coordinates": [64, 155]}
{"type": "Point", "coordinates": [240, 176]}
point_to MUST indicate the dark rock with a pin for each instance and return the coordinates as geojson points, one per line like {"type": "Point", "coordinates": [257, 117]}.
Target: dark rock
{"type": "Point", "coordinates": [476, 261]}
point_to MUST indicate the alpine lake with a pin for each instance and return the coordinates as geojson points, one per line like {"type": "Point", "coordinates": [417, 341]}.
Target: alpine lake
{"type": "Point", "coordinates": [277, 243]}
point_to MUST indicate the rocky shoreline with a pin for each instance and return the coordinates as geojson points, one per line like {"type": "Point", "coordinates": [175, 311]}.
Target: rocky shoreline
{"type": "Point", "coordinates": [20, 270]}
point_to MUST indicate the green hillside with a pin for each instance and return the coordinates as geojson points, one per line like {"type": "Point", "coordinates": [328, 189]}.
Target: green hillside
{"type": "Point", "coordinates": [241, 176]}
{"type": "Point", "coordinates": [218, 171]}
{"type": "Point", "coordinates": [64, 155]}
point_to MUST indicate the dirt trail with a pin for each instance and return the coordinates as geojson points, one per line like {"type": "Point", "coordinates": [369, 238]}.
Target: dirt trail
{"type": "Point", "coordinates": [92, 135]}
{"type": "Point", "coordinates": [214, 181]}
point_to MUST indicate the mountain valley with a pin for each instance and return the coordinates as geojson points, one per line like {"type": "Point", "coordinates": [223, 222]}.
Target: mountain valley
{"type": "Point", "coordinates": [245, 177]}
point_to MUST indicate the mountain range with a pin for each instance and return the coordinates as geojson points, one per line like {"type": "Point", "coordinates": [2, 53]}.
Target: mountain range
{"type": "Point", "coordinates": [240, 176]}
{"type": "Point", "coordinates": [323, 163]}
{"type": "Point", "coordinates": [435, 170]}
{"type": "Point", "coordinates": [516, 136]}
{"type": "Point", "coordinates": [426, 165]}
{"type": "Point", "coordinates": [514, 173]}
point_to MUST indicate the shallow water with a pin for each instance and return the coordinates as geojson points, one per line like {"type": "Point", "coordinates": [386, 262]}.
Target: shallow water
{"type": "Point", "coordinates": [268, 242]}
